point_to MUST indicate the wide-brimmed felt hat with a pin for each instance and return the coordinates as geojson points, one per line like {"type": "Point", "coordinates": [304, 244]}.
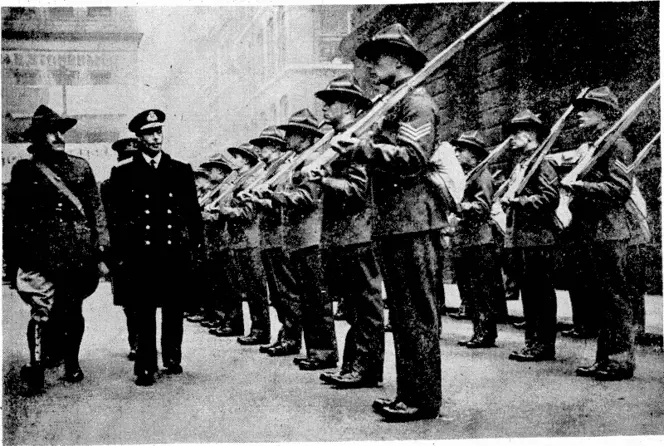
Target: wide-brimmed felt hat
{"type": "Point", "coordinates": [393, 39]}
{"type": "Point", "coordinates": [527, 120]}
{"type": "Point", "coordinates": [473, 141]}
{"type": "Point", "coordinates": [302, 121]}
{"type": "Point", "coordinates": [344, 88]}
{"type": "Point", "coordinates": [218, 160]}
{"type": "Point", "coordinates": [147, 119]}
{"type": "Point", "coordinates": [270, 136]}
{"type": "Point", "coordinates": [601, 97]}
{"type": "Point", "coordinates": [45, 119]}
{"type": "Point", "coordinates": [246, 150]}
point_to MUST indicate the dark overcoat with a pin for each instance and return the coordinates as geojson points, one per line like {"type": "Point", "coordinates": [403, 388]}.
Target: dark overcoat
{"type": "Point", "coordinates": [157, 234]}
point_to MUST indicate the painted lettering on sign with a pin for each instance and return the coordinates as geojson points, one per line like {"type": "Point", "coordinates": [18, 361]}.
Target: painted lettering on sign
{"type": "Point", "coordinates": [50, 59]}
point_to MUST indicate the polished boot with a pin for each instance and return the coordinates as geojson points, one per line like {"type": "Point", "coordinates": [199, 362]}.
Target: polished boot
{"type": "Point", "coordinates": [354, 380]}
{"type": "Point", "coordinates": [317, 364]}
{"type": "Point", "coordinates": [533, 355]}
{"type": "Point", "coordinates": [588, 370]}
{"type": "Point", "coordinates": [254, 338]}
{"type": "Point", "coordinates": [400, 412]}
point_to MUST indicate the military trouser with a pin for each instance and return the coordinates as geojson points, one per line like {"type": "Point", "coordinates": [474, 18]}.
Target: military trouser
{"type": "Point", "coordinates": [225, 290]}
{"type": "Point", "coordinates": [512, 273]}
{"type": "Point", "coordinates": [284, 294]}
{"type": "Point", "coordinates": [132, 329]}
{"type": "Point", "coordinates": [171, 337]}
{"type": "Point", "coordinates": [582, 296]}
{"type": "Point", "coordinates": [317, 317]}
{"type": "Point", "coordinates": [250, 279]}
{"type": "Point", "coordinates": [364, 349]}
{"type": "Point", "coordinates": [637, 281]}
{"type": "Point", "coordinates": [603, 267]}
{"type": "Point", "coordinates": [475, 272]}
{"type": "Point", "coordinates": [538, 294]}
{"type": "Point", "coordinates": [409, 266]}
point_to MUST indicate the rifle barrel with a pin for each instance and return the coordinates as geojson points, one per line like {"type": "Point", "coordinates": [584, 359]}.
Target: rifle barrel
{"type": "Point", "coordinates": [644, 153]}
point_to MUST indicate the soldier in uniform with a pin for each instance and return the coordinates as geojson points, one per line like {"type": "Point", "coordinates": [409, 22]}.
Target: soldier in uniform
{"type": "Point", "coordinates": [246, 267]}
{"type": "Point", "coordinates": [125, 148]}
{"type": "Point", "coordinates": [347, 236]}
{"type": "Point", "coordinates": [272, 144]}
{"type": "Point", "coordinates": [475, 260]}
{"type": "Point", "coordinates": [157, 234]}
{"type": "Point", "coordinates": [601, 228]}
{"type": "Point", "coordinates": [408, 221]}
{"type": "Point", "coordinates": [54, 238]}
{"type": "Point", "coordinates": [218, 257]}
{"type": "Point", "coordinates": [301, 203]}
{"type": "Point", "coordinates": [531, 231]}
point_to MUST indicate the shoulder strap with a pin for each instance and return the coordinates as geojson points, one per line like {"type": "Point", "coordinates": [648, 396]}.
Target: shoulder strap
{"type": "Point", "coordinates": [62, 187]}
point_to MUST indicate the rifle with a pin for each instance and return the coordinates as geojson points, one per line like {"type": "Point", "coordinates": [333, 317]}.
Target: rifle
{"type": "Point", "coordinates": [230, 178]}
{"type": "Point", "coordinates": [597, 150]}
{"type": "Point", "coordinates": [389, 100]}
{"type": "Point", "coordinates": [493, 155]}
{"type": "Point", "coordinates": [643, 153]}
{"type": "Point", "coordinates": [227, 193]}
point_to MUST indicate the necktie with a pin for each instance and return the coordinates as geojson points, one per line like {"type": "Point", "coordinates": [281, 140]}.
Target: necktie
{"type": "Point", "coordinates": [153, 163]}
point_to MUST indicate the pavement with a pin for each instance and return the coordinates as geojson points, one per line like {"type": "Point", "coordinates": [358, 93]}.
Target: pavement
{"type": "Point", "coordinates": [230, 393]}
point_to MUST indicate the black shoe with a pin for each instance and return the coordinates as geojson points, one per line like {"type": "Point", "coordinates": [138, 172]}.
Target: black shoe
{"type": "Point", "coordinates": [73, 376]}
{"type": "Point", "coordinates": [172, 369]}
{"type": "Point", "coordinates": [578, 334]}
{"type": "Point", "coordinates": [354, 380]}
{"type": "Point", "coordinates": [328, 377]}
{"type": "Point", "coordinates": [145, 379]}
{"type": "Point", "coordinates": [33, 377]}
{"type": "Point", "coordinates": [254, 339]}
{"type": "Point", "coordinates": [284, 350]}
{"type": "Point", "coordinates": [132, 355]}
{"type": "Point", "coordinates": [340, 315]}
{"type": "Point", "coordinates": [461, 314]}
{"type": "Point", "coordinates": [520, 325]}
{"type": "Point", "coordinates": [588, 370]}
{"type": "Point", "coordinates": [299, 359]}
{"type": "Point", "coordinates": [614, 372]}
{"type": "Point", "coordinates": [223, 332]}
{"type": "Point", "coordinates": [266, 348]}
{"type": "Point", "coordinates": [532, 355]}
{"type": "Point", "coordinates": [480, 343]}
{"type": "Point", "coordinates": [196, 318]}
{"type": "Point", "coordinates": [317, 364]}
{"type": "Point", "coordinates": [208, 323]}
{"type": "Point", "coordinates": [380, 403]}
{"type": "Point", "coordinates": [388, 327]}
{"type": "Point", "coordinates": [464, 343]}
{"type": "Point", "coordinates": [400, 412]}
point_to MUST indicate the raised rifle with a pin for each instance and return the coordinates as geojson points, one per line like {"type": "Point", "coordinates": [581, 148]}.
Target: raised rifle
{"type": "Point", "coordinates": [209, 195]}
{"type": "Point", "coordinates": [227, 193]}
{"type": "Point", "coordinates": [270, 171]}
{"type": "Point", "coordinates": [364, 124]}
{"type": "Point", "coordinates": [493, 155]}
{"type": "Point", "coordinates": [644, 153]}
{"type": "Point", "coordinates": [597, 149]}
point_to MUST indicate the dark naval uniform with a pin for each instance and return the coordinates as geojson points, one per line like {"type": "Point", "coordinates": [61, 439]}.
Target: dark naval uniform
{"type": "Point", "coordinates": [601, 228]}
{"type": "Point", "coordinates": [475, 262]}
{"type": "Point", "coordinates": [157, 234]}
{"type": "Point", "coordinates": [532, 231]}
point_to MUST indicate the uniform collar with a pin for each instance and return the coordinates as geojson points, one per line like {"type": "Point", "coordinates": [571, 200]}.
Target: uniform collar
{"type": "Point", "coordinates": [157, 159]}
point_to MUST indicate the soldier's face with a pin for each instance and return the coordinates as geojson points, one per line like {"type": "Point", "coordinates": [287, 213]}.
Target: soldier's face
{"type": "Point", "coordinates": [334, 112]}
{"type": "Point", "coordinates": [202, 183]}
{"type": "Point", "coordinates": [269, 154]}
{"type": "Point", "coordinates": [296, 142]}
{"type": "Point", "coordinates": [466, 158]}
{"type": "Point", "coordinates": [383, 70]}
{"type": "Point", "coordinates": [217, 174]}
{"type": "Point", "coordinates": [151, 140]}
{"type": "Point", "coordinates": [243, 164]}
{"type": "Point", "coordinates": [590, 118]}
{"type": "Point", "coordinates": [521, 140]}
{"type": "Point", "coordinates": [53, 140]}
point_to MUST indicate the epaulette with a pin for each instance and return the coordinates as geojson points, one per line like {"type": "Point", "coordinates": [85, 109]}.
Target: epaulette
{"type": "Point", "coordinates": [125, 161]}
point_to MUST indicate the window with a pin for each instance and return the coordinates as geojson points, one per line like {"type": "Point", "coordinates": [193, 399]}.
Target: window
{"type": "Point", "coordinates": [99, 11]}
{"type": "Point", "coordinates": [335, 24]}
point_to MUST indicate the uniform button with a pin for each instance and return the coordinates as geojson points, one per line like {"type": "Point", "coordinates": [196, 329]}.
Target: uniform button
{"type": "Point", "coordinates": [147, 226]}
{"type": "Point", "coordinates": [169, 242]}
{"type": "Point", "coordinates": [170, 226]}
{"type": "Point", "coordinates": [147, 196]}
{"type": "Point", "coordinates": [170, 194]}
{"type": "Point", "coordinates": [147, 242]}
{"type": "Point", "coordinates": [147, 211]}
{"type": "Point", "coordinates": [59, 205]}
{"type": "Point", "coordinates": [169, 211]}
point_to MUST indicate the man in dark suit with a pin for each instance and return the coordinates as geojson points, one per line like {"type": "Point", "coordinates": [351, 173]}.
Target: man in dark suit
{"type": "Point", "coordinates": [157, 234]}
{"type": "Point", "coordinates": [126, 148]}
{"type": "Point", "coordinates": [407, 225]}
{"type": "Point", "coordinates": [54, 236]}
